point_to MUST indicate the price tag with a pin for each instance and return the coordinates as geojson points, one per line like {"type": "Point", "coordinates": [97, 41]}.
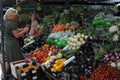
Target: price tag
{"type": "Point", "coordinates": [34, 71]}
{"type": "Point", "coordinates": [35, 77]}
{"type": "Point", "coordinates": [23, 74]}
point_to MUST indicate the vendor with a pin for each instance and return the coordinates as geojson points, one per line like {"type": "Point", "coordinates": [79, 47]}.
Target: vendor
{"type": "Point", "coordinates": [33, 22]}
{"type": "Point", "coordinates": [12, 35]}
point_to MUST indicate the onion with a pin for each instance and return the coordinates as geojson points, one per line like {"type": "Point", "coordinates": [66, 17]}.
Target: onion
{"type": "Point", "coordinates": [106, 56]}
{"type": "Point", "coordinates": [118, 65]}
{"type": "Point", "coordinates": [112, 57]}
{"type": "Point", "coordinates": [116, 54]}
{"type": "Point", "coordinates": [110, 54]}
{"type": "Point", "coordinates": [107, 59]}
{"type": "Point", "coordinates": [113, 64]}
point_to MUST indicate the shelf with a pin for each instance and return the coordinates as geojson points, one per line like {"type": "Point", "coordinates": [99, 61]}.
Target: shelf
{"type": "Point", "coordinates": [90, 2]}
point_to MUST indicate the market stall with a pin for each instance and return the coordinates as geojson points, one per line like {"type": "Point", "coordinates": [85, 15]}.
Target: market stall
{"type": "Point", "coordinates": [79, 43]}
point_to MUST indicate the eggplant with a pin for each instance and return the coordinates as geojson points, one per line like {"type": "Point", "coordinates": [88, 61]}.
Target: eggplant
{"type": "Point", "coordinates": [75, 77]}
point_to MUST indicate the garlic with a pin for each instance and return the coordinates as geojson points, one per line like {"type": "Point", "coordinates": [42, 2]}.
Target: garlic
{"type": "Point", "coordinates": [73, 48]}
{"type": "Point", "coordinates": [113, 64]}
{"type": "Point", "coordinates": [82, 35]}
{"type": "Point", "coordinates": [86, 37]}
{"type": "Point", "coordinates": [75, 36]}
{"type": "Point", "coordinates": [70, 43]}
{"type": "Point", "coordinates": [79, 43]}
{"type": "Point", "coordinates": [90, 37]}
{"type": "Point", "coordinates": [75, 40]}
{"type": "Point", "coordinates": [83, 42]}
{"type": "Point", "coordinates": [78, 34]}
{"type": "Point", "coordinates": [74, 45]}
{"type": "Point", "coordinates": [77, 47]}
{"type": "Point", "coordinates": [70, 39]}
{"type": "Point", "coordinates": [81, 39]}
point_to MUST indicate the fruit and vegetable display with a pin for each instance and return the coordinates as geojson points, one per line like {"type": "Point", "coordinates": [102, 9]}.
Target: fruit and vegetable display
{"type": "Point", "coordinates": [66, 50]}
{"type": "Point", "coordinates": [103, 72]}
{"type": "Point", "coordinates": [113, 59]}
{"type": "Point", "coordinates": [76, 41]}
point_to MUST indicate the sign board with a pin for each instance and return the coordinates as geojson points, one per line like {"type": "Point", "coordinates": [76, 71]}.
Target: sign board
{"type": "Point", "coordinates": [28, 8]}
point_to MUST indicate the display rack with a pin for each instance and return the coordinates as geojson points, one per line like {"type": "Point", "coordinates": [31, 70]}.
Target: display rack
{"type": "Point", "coordinates": [72, 2]}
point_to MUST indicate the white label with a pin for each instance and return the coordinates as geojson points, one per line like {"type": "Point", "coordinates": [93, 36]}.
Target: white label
{"type": "Point", "coordinates": [23, 74]}
{"type": "Point", "coordinates": [69, 60]}
{"type": "Point", "coordinates": [34, 71]}
{"type": "Point", "coordinates": [20, 64]}
{"type": "Point", "coordinates": [35, 77]}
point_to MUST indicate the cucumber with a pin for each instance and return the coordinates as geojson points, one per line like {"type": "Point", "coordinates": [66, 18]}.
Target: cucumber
{"type": "Point", "coordinates": [68, 56]}
{"type": "Point", "coordinates": [70, 52]}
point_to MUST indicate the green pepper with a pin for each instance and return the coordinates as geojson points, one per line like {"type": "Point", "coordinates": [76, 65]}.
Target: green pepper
{"type": "Point", "coordinates": [56, 40]}
{"type": "Point", "coordinates": [107, 24]}
{"type": "Point", "coordinates": [97, 22]}
{"type": "Point", "coordinates": [48, 41]}
{"type": "Point", "coordinates": [64, 43]}
{"type": "Point", "coordinates": [60, 44]}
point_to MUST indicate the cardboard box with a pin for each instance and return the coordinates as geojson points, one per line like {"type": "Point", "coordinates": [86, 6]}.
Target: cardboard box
{"type": "Point", "coordinates": [20, 63]}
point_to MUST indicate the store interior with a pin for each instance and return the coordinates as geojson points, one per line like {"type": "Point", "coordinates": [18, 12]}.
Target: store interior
{"type": "Point", "coordinates": [74, 40]}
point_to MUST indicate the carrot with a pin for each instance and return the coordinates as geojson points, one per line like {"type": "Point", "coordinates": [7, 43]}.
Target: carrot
{"type": "Point", "coordinates": [59, 27]}
{"type": "Point", "coordinates": [55, 28]}
{"type": "Point", "coordinates": [63, 27]}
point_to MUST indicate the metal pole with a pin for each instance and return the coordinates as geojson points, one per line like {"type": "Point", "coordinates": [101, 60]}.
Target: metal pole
{"type": "Point", "coordinates": [2, 38]}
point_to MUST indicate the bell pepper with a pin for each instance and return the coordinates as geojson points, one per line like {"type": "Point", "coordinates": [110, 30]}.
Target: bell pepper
{"type": "Point", "coordinates": [53, 70]}
{"type": "Point", "coordinates": [107, 24]}
{"type": "Point", "coordinates": [56, 40]}
{"type": "Point", "coordinates": [48, 41]}
{"type": "Point", "coordinates": [97, 22]}
{"type": "Point", "coordinates": [60, 61]}
{"type": "Point", "coordinates": [58, 65]}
